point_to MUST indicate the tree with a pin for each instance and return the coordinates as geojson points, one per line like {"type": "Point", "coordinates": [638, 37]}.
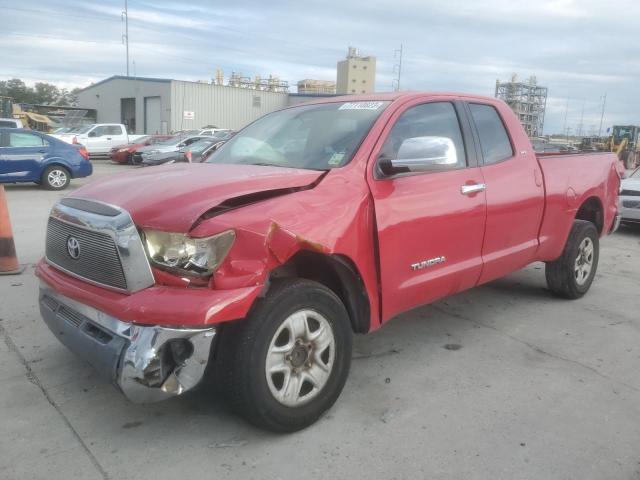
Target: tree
{"type": "Point", "coordinates": [45, 93]}
{"type": "Point", "coordinates": [18, 90]}
{"type": "Point", "coordinates": [41, 93]}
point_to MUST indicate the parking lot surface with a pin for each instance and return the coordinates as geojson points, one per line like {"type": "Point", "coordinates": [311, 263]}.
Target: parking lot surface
{"type": "Point", "coordinates": [500, 382]}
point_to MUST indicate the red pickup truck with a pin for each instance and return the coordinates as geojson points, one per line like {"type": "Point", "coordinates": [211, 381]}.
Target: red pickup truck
{"type": "Point", "coordinates": [313, 223]}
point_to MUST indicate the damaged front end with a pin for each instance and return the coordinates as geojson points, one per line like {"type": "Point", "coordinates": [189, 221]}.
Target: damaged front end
{"type": "Point", "coordinates": [147, 363]}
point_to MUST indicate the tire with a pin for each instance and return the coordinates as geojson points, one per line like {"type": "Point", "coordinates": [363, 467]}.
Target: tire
{"type": "Point", "coordinates": [571, 275]}
{"type": "Point", "coordinates": [246, 346]}
{"type": "Point", "coordinates": [55, 177]}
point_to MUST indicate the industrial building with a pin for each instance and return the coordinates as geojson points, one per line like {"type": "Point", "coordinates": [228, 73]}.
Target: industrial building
{"type": "Point", "coordinates": [356, 73]}
{"type": "Point", "coordinates": [527, 99]}
{"type": "Point", "coordinates": [160, 105]}
{"type": "Point", "coordinates": [316, 87]}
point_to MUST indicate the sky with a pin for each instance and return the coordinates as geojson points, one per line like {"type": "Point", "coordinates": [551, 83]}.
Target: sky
{"type": "Point", "coordinates": [579, 49]}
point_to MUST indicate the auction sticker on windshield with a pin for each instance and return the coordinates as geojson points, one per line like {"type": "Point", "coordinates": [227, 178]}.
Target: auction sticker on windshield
{"type": "Point", "coordinates": [361, 106]}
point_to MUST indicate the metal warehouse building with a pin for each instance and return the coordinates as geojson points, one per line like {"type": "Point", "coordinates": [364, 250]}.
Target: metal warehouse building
{"type": "Point", "coordinates": [158, 105]}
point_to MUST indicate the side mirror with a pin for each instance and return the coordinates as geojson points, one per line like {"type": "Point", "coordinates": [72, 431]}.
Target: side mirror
{"type": "Point", "coordinates": [420, 154]}
{"type": "Point", "coordinates": [92, 134]}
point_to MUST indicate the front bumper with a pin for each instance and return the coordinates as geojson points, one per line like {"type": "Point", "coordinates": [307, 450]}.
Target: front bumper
{"type": "Point", "coordinates": [147, 363]}
{"type": "Point", "coordinates": [630, 208]}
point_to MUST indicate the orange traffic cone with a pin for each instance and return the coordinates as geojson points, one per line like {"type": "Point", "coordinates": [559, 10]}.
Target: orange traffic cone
{"type": "Point", "coordinates": [8, 261]}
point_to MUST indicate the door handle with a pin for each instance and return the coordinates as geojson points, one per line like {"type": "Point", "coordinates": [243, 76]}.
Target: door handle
{"type": "Point", "coordinates": [469, 189]}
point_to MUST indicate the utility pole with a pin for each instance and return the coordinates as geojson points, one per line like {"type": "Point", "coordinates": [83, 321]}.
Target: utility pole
{"type": "Point", "coordinates": [604, 102]}
{"type": "Point", "coordinates": [581, 125]}
{"type": "Point", "coordinates": [397, 67]}
{"type": "Point", "coordinates": [125, 36]}
{"type": "Point", "coordinates": [566, 113]}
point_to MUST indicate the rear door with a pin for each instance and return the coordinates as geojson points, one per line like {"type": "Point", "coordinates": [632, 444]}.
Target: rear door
{"type": "Point", "coordinates": [430, 224]}
{"type": "Point", "coordinates": [21, 156]}
{"type": "Point", "coordinates": [514, 191]}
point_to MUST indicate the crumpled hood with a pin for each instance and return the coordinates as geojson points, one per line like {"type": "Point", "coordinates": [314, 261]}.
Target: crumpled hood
{"type": "Point", "coordinates": [172, 197]}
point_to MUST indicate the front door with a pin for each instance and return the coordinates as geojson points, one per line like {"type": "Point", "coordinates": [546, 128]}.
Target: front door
{"type": "Point", "coordinates": [103, 137]}
{"type": "Point", "coordinates": [430, 224]}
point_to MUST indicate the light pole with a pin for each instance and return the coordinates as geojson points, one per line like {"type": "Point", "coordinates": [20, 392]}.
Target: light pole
{"type": "Point", "coordinates": [125, 36]}
{"type": "Point", "coordinates": [604, 102]}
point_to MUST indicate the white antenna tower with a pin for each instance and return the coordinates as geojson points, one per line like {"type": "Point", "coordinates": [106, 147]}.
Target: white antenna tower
{"type": "Point", "coordinates": [397, 68]}
{"type": "Point", "coordinates": [125, 35]}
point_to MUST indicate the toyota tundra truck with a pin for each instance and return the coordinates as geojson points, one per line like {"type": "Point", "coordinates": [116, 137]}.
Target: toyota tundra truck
{"type": "Point", "coordinates": [314, 223]}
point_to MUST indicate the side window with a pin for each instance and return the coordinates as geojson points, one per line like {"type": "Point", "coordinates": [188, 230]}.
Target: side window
{"type": "Point", "coordinates": [114, 130]}
{"type": "Point", "coordinates": [25, 140]}
{"type": "Point", "coordinates": [493, 135]}
{"type": "Point", "coordinates": [99, 131]}
{"type": "Point", "coordinates": [437, 119]}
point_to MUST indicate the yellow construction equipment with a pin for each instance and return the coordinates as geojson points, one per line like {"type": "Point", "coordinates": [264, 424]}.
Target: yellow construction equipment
{"type": "Point", "coordinates": [624, 143]}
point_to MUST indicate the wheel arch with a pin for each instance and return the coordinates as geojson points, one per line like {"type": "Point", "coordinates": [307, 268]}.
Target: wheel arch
{"type": "Point", "coordinates": [56, 162]}
{"type": "Point", "coordinates": [336, 272]}
{"type": "Point", "coordinates": [592, 211]}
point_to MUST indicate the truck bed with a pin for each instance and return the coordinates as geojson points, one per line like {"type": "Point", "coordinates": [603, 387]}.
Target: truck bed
{"type": "Point", "coordinates": [573, 182]}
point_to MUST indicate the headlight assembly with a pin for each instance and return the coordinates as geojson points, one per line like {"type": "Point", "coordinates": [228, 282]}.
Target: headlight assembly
{"type": "Point", "coordinates": [185, 255]}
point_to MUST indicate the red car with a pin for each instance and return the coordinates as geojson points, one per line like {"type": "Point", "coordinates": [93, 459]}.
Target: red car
{"type": "Point", "coordinates": [311, 224]}
{"type": "Point", "coordinates": [124, 153]}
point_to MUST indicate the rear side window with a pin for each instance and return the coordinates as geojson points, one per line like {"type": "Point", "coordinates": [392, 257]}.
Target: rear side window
{"type": "Point", "coordinates": [8, 123]}
{"type": "Point", "coordinates": [493, 135]}
{"type": "Point", "coordinates": [25, 140]}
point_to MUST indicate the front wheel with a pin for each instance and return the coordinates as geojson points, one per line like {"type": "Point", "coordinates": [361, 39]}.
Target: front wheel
{"type": "Point", "coordinates": [571, 275]}
{"type": "Point", "coordinates": [55, 178]}
{"type": "Point", "coordinates": [287, 362]}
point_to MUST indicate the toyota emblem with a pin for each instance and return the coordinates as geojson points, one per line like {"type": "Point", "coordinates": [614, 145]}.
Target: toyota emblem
{"type": "Point", "coordinates": [73, 247]}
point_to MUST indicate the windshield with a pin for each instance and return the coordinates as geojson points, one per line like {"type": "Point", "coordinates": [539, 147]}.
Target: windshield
{"type": "Point", "coordinates": [221, 135]}
{"type": "Point", "coordinates": [315, 137]}
{"type": "Point", "coordinates": [622, 132]}
{"type": "Point", "coordinates": [81, 130]}
{"type": "Point", "coordinates": [171, 141]}
{"type": "Point", "coordinates": [201, 145]}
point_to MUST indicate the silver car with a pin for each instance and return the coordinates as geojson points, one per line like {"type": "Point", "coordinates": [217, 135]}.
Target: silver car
{"type": "Point", "coordinates": [173, 144]}
{"type": "Point", "coordinates": [630, 198]}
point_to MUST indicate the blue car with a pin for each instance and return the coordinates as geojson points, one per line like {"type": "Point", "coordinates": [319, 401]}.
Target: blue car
{"type": "Point", "coordinates": [28, 156]}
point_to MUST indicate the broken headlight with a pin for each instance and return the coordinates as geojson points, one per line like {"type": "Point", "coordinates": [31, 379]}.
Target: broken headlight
{"type": "Point", "coordinates": [186, 255]}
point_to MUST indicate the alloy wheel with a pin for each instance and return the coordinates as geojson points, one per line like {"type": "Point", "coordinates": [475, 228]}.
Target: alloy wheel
{"type": "Point", "coordinates": [300, 358]}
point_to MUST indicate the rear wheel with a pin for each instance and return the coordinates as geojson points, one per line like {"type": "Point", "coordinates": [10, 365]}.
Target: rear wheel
{"type": "Point", "coordinates": [571, 275]}
{"type": "Point", "coordinates": [287, 362]}
{"type": "Point", "coordinates": [55, 177]}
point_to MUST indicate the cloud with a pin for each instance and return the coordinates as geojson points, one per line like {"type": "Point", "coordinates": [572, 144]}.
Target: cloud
{"type": "Point", "coordinates": [577, 48]}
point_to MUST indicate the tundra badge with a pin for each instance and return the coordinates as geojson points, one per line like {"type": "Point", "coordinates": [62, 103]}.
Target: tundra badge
{"type": "Point", "coordinates": [428, 263]}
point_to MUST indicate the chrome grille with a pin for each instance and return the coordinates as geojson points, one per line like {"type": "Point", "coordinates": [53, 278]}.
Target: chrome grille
{"type": "Point", "coordinates": [98, 260]}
